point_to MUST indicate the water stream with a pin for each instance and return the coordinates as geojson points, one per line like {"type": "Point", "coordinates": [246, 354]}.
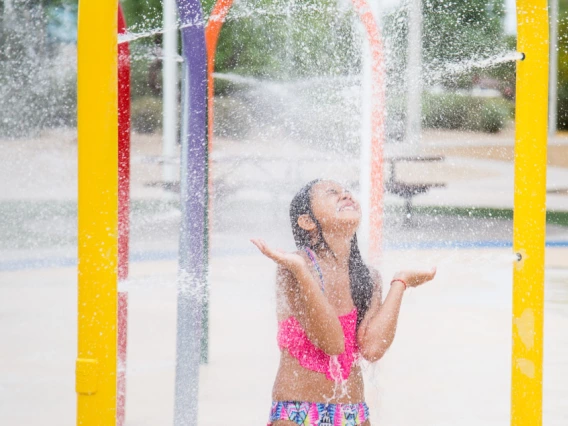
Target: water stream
{"type": "Point", "coordinates": [434, 72]}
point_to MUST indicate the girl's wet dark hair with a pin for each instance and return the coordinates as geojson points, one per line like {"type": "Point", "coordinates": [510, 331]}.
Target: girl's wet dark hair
{"type": "Point", "coordinates": [360, 279]}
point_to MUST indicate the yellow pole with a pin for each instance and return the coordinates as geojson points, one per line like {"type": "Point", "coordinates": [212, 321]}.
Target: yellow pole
{"type": "Point", "coordinates": [98, 212]}
{"type": "Point", "coordinates": [529, 212]}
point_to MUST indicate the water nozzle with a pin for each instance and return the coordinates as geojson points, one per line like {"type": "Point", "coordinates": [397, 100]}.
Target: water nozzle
{"type": "Point", "coordinates": [520, 258]}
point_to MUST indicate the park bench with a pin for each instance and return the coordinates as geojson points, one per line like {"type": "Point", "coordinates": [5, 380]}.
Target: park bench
{"type": "Point", "coordinates": [408, 190]}
{"type": "Point", "coordinates": [226, 185]}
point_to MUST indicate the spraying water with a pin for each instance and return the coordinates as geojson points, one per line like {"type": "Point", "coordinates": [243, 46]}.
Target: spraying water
{"type": "Point", "coordinates": [243, 11]}
{"type": "Point", "coordinates": [437, 71]}
{"type": "Point", "coordinates": [279, 125]}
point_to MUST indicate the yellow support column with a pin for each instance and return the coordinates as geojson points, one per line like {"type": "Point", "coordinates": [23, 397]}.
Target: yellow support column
{"type": "Point", "coordinates": [98, 212]}
{"type": "Point", "coordinates": [530, 212]}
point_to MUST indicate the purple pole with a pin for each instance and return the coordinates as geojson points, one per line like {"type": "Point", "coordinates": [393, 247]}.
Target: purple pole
{"type": "Point", "coordinates": [192, 256]}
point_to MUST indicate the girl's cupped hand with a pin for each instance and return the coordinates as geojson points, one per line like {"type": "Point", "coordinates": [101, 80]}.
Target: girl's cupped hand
{"type": "Point", "coordinates": [291, 261]}
{"type": "Point", "coordinates": [415, 278]}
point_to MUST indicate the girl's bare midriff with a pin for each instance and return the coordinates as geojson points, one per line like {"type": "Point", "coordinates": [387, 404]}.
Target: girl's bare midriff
{"type": "Point", "coordinates": [296, 383]}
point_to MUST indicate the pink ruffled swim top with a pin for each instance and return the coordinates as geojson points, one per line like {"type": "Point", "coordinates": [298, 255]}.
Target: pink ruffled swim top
{"type": "Point", "coordinates": [293, 338]}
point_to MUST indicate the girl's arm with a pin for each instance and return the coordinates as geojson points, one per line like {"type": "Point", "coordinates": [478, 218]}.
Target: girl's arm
{"type": "Point", "coordinates": [377, 330]}
{"type": "Point", "coordinates": [312, 309]}
{"type": "Point", "coordinates": [308, 303]}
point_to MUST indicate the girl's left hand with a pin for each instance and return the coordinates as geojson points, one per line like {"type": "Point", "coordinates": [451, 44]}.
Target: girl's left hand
{"type": "Point", "coordinates": [415, 278]}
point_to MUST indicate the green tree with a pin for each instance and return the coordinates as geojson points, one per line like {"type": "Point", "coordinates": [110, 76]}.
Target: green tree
{"type": "Point", "coordinates": [459, 30]}
{"type": "Point", "coordinates": [272, 38]}
{"type": "Point", "coordinates": [452, 31]}
{"type": "Point", "coordinates": [142, 14]}
{"type": "Point", "coordinates": [37, 89]}
{"type": "Point", "coordinates": [283, 39]}
{"type": "Point", "coordinates": [455, 30]}
{"type": "Point", "coordinates": [562, 121]}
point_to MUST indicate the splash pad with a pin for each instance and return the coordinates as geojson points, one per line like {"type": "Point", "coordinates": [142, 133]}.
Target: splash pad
{"type": "Point", "coordinates": [96, 365]}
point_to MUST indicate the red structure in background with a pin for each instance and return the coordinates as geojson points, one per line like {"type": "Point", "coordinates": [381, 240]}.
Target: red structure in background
{"type": "Point", "coordinates": [123, 212]}
{"type": "Point", "coordinates": [123, 150]}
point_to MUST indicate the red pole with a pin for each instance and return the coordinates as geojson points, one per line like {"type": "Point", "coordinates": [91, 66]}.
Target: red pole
{"type": "Point", "coordinates": [123, 150]}
{"type": "Point", "coordinates": [123, 212]}
{"type": "Point", "coordinates": [121, 351]}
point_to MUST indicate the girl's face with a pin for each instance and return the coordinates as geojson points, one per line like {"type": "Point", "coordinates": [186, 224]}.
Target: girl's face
{"type": "Point", "coordinates": [334, 206]}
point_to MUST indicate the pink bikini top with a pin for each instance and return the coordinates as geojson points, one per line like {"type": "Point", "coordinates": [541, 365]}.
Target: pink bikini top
{"type": "Point", "coordinates": [292, 337]}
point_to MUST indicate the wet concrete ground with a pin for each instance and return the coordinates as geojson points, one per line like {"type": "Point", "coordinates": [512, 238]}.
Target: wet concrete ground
{"type": "Point", "coordinates": [450, 362]}
{"type": "Point", "coordinates": [449, 365]}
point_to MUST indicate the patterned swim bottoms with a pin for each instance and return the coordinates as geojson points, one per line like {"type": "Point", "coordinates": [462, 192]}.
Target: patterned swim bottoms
{"type": "Point", "coordinates": [319, 414]}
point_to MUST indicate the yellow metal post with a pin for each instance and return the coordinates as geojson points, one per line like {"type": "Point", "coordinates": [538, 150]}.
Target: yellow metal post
{"type": "Point", "coordinates": [98, 212]}
{"type": "Point", "coordinates": [529, 212]}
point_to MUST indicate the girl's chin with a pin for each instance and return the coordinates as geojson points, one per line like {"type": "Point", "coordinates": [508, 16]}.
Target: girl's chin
{"type": "Point", "coordinates": [349, 215]}
{"type": "Point", "coordinates": [350, 219]}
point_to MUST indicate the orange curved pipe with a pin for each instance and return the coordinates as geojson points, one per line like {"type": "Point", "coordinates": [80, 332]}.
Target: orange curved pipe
{"type": "Point", "coordinates": [212, 31]}
{"type": "Point", "coordinates": [377, 127]}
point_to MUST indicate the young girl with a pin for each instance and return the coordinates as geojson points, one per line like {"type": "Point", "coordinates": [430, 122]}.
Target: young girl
{"type": "Point", "coordinates": [330, 312]}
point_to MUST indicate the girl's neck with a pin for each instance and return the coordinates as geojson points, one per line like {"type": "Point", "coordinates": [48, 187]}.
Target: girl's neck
{"type": "Point", "coordinates": [338, 249]}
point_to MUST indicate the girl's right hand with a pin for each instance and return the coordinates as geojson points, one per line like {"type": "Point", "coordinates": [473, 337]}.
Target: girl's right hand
{"type": "Point", "coordinates": [291, 261]}
{"type": "Point", "coordinates": [415, 278]}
